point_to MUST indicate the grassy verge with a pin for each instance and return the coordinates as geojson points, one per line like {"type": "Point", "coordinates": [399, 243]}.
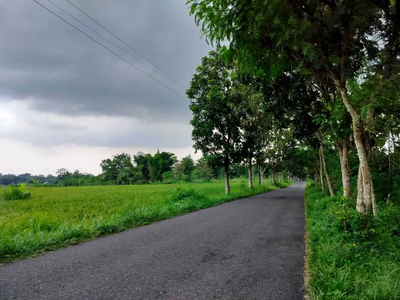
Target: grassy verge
{"type": "Point", "coordinates": [346, 259]}
{"type": "Point", "coordinates": [58, 217]}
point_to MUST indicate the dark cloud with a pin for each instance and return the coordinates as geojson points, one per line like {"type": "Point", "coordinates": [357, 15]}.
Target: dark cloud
{"type": "Point", "coordinates": [58, 70]}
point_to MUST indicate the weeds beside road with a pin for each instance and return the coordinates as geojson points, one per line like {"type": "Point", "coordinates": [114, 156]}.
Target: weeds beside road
{"type": "Point", "coordinates": [345, 259]}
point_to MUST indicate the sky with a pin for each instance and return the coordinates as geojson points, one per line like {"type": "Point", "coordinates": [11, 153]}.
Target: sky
{"type": "Point", "coordinates": [67, 102]}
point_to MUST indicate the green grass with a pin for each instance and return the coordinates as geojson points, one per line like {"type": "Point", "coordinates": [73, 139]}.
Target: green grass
{"type": "Point", "coordinates": [347, 260]}
{"type": "Point", "coordinates": [58, 217]}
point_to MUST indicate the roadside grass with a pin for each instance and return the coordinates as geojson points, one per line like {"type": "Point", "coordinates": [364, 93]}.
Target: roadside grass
{"type": "Point", "coordinates": [347, 260]}
{"type": "Point", "coordinates": [58, 217]}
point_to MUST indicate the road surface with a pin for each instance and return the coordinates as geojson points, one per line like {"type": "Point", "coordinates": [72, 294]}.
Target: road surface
{"type": "Point", "coordinates": [251, 248]}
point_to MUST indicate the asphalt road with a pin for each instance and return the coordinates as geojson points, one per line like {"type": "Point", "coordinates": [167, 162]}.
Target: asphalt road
{"type": "Point", "coordinates": [251, 248]}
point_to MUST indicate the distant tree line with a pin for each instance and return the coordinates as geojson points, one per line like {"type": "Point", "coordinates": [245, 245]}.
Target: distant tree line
{"type": "Point", "coordinates": [162, 167]}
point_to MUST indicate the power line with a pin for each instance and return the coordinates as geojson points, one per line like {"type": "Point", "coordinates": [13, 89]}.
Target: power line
{"type": "Point", "coordinates": [109, 49]}
{"type": "Point", "coordinates": [125, 43]}
{"type": "Point", "coordinates": [122, 49]}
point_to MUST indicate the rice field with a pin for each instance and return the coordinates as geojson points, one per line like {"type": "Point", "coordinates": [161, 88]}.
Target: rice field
{"type": "Point", "coordinates": [56, 217]}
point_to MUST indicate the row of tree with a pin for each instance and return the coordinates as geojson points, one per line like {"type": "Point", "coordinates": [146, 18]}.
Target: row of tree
{"type": "Point", "coordinates": [165, 167]}
{"type": "Point", "coordinates": [122, 169]}
{"type": "Point", "coordinates": [234, 123]}
{"type": "Point", "coordinates": [321, 74]}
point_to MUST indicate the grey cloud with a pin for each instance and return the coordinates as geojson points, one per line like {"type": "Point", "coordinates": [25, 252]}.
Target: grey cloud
{"type": "Point", "coordinates": [46, 131]}
{"type": "Point", "coordinates": [61, 71]}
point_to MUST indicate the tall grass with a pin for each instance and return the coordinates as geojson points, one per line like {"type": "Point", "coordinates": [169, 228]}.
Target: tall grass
{"type": "Point", "coordinates": [16, 192]}
{"type": "Point", "coordinates": [58, 217]}
{"type": "Point", "coordinates": [347, 260]}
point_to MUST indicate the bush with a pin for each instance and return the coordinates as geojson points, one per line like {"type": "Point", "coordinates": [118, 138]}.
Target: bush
{"type": "Point", "coordinates": [16, 192]}
{"type": "Point", "coordinates": [180, 194]}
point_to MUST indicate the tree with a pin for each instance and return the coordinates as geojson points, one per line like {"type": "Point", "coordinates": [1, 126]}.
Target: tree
{"type": "Point", "coordinates": [184, 168]}
{"type": "Point", "coordinates": [160, 163]}
{"type": "Point", "coordinates": [112, 167]}
{"type": "Point", "coordinates": [216, 125]}
{"type": "Point", "coordinates": [331, 40]}
{"type": "Point", "coordinates": [254, 124]}
{"type": "Point", "coordinates": [62, 172]}
{"type": "Point", "coordinates": [202, 170]}
{"type": "Point", "coordinates": [141, 161]}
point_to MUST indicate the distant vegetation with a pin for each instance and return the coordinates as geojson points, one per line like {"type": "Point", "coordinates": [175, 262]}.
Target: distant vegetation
{"type": "Point", "coordinates": [162, 167]}
{"type": "Point", "coordinates": [61, 216]}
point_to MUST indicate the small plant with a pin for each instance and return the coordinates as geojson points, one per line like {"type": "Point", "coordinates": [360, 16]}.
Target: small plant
{"type": "Point", "coordinates": [16, 192]}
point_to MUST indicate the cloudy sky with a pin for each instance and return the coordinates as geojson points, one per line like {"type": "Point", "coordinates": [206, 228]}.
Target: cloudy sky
{"type": "Point", "coordinates": [67, 102]}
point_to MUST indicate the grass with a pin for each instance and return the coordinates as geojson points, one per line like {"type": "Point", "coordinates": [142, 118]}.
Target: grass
{"type": "Point", "coordinates": [58, 217]}
{"type": "Point", "coordinates": [345, 259]}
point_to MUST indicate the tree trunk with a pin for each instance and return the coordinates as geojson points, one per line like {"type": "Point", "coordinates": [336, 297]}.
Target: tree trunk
{"type": "Point", "coordinates": [273, 177]}
{"type": "Point", "coordinates": [259, 175]}
{"type": "Point", "coordinates": [366, 202]}
{"type": "Point", "coordinates": [316, 169]}
{"type": "Point", "coordinates": [343, 148]}
{"type": "Point", "coordinates": [262, 172]}
{"type": "Point", "coordinates": [316, 177]}
{"type": "Point", "coordinates": [321, 169]}
{"type": "Point", "coordinates": [327, 175]}
{"type": "Point", "coordinates": [227, 187]}
{"type": "Point", "coordinates": [250, 174]}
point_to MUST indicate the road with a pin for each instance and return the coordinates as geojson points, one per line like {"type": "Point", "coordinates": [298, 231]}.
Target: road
{"type": "Point", "coordinates": [251, 248]}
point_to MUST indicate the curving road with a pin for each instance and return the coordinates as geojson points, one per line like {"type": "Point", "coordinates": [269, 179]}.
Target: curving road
{"type": "Point", "coordinates": [251, 248]}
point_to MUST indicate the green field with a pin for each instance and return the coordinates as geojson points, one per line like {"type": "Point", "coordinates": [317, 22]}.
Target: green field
{"type": "Point", "coordinates": [57, 217]}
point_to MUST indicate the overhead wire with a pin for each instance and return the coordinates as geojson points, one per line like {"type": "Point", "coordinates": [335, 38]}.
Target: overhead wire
{"type": "Point", "coordinates": [108, 49]}
{"type": "Point", "coordinates": [122, 49]}
{"type": "Point", "coordinates": [126, 44]}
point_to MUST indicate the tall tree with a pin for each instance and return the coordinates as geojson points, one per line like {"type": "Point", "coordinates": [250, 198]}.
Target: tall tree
{"type": "Point", "coordinates": [254, 124]}
{"type": "Point", "coordinates": [216, 124]}
{"type": "Point", "coordinates": [141, 161]}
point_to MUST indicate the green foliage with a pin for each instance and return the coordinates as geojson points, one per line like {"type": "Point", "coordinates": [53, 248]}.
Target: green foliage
{"type": "Point", "coordinates": [168, 177]}
{"type": "Point", "coordinates": [159, 164]}
{"type": "Point", "coordinates": [202, 171]}
{"type": "Point", "coordinates": [345, 219]}
{"type": "Point", "coordinates": [348, 260]}
{"type": "Point", "coordinates": [16, 192]}
{"type": "Point", "coordinates": [215, 121]}
{"type": "Point", "coordinates": [183, 169]}
{"type": "Point", "coordinates": [180, 194]}
{"type": "Point", "coordinates": [112, 167]}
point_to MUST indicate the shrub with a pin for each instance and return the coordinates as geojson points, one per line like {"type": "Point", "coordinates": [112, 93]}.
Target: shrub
{"type": "Point", "coordinates": [180, 194]}
{"type": "Point", "coordinates": [16, 192]}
